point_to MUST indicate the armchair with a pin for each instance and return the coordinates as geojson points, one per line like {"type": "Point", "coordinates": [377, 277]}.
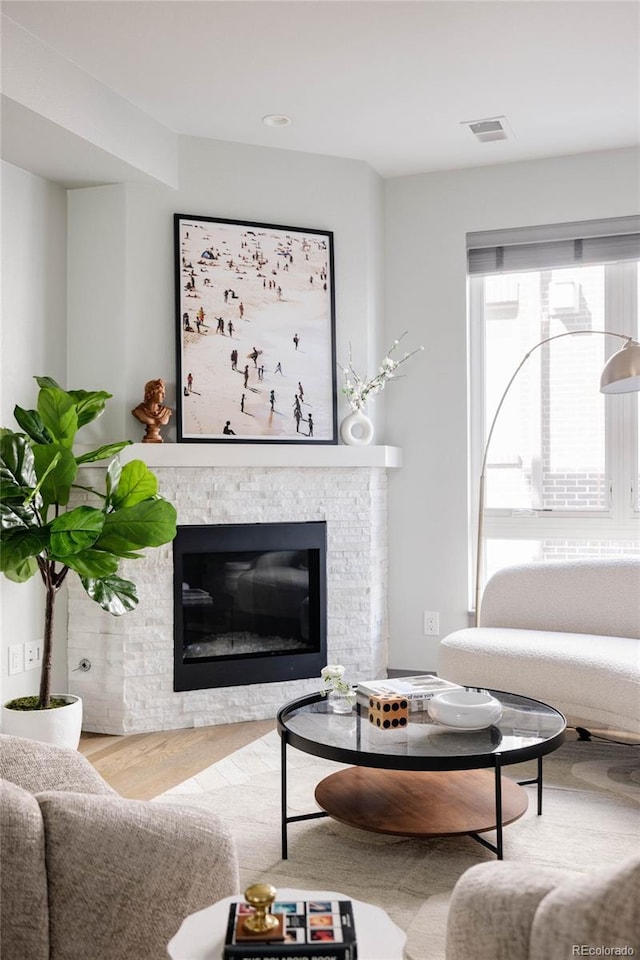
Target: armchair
{"type": "Point", "coordinates": [87, 873]}
{"type": "Point", "coordinates": [509, 911]}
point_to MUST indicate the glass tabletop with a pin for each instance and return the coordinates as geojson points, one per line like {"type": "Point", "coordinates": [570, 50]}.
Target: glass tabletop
{"type": "Point", "coordinates": [527, 729]}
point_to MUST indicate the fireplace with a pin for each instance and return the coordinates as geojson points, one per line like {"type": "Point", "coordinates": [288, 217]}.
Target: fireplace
{"type": "Point", "coordinates": [249, 603]}
{"type": "Point", "coordinates": [130, 686]}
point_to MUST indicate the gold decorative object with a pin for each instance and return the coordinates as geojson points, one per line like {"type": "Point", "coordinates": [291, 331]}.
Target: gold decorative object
{"type": "Point", "coordinates": [152, 412]}
{"type": "Point", "coordinates": [260, 896]}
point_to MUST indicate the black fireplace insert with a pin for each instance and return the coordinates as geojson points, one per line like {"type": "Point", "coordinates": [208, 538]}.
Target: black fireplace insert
{"type": "Point", "coordinates": [250, 603]}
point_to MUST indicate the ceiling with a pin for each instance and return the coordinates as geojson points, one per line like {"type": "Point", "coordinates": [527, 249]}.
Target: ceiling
{"type": "Point", "coordinates": [387, 82]}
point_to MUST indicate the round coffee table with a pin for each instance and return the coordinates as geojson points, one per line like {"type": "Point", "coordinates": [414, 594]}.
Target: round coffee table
{"type": "Point", "coordinates": [425, 779]}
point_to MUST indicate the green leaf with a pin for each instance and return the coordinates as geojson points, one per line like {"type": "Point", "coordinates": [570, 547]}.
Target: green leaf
{"type": "Point", "coordinates": [31, 422]}
{"type": "Point", "coordinates": [24, 571]}
{"type": "Point", "coordinates": [33, 496]}
{"type": "Point", "coordinates": [113, 478]}
{"type": "Point", "coordinates": [57, 475]}
{"type": "Point", "coordinates": [101, 453]}
{"type": "Point", "coordinates": [147, 524]}
{"type": "Point", "coordinates": [18, 545]}
{"type": "Point", "coordinates": [17, 467]}
{"type": "Point", "coordinates": [47, 382]}
{"type": "Point", "coordinates": [137, 483]}
{"type": "Point", "coordinates": [15, 516]}
{"type": "Point", "coordinates": [58, 412]}
{"type": "Point", "coordinates": [76, 530]}
{"type": "Point", "coordinates": [18, 479]}
{"type": "Point", "coordinates": [91, 562]}
{"type": "Point", "coordinates": [115, 595]}
{"type": "Point", "coordinates": [10, 492]}
{"type": "Point", "coordinates": [89, 404]}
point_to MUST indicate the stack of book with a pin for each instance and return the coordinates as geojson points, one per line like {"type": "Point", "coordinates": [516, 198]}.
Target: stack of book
{"type": "Point", "coordinates": [418, 690]}
{"type": "Point", "coordinates": [311, 929]}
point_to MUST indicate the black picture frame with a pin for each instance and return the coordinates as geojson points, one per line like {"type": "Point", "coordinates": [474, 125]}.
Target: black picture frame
{"type": "Point", "coordinates": [266, 292]}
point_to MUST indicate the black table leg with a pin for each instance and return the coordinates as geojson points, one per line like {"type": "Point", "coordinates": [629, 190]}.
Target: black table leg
{"type": "Point", "coordinates": [284, 819]}
{"type": "Point", "coordinates": [498, 807]}
{"type": "Point", "coordinates": [539, 786]}
{"type": "Point", "coordinates": [283, 795]}
{"type": "Point", "coordinates": [538, 781]}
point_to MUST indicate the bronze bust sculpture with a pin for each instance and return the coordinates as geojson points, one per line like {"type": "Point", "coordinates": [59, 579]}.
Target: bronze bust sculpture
{"type": "Point", "coordinates": [152, 412]}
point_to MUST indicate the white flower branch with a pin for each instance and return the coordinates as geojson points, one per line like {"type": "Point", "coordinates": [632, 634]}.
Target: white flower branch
{"type": "Point", "coordinates": [358, 391]}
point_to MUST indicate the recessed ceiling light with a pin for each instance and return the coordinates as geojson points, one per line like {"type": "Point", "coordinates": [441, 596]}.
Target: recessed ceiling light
{"type": "Point", "coordinates": [276, 120]}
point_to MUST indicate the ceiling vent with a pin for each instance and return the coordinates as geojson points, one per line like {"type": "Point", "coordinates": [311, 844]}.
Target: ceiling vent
{"type": "Point", "coordinates": [493, 128]}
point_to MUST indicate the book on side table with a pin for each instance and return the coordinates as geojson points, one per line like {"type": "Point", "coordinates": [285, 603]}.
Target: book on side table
{"type": "Point", "coordinates": [312, 930]}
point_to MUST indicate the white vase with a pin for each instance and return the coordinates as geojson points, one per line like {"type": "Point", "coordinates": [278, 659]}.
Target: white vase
{"type": "Point", "coordinates": [60, 725]}
{"type": "Point", "coordinates": [356, 429]}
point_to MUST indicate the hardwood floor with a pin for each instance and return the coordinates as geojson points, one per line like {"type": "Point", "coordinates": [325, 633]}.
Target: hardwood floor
{"type": "Point", "coordinates": [142, 765]}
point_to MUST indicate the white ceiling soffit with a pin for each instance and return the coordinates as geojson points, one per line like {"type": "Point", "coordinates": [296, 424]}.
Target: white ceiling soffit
{"type": "Point", "coordinates": [387, 82]}
{"type": "Point", "coordinates": [62, 123]}
{"type": "Point", "coordinates": [44, 148]}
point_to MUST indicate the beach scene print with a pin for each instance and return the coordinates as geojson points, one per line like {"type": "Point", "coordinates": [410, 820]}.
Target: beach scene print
{"type": "Point", "coordinates": [256, 327]}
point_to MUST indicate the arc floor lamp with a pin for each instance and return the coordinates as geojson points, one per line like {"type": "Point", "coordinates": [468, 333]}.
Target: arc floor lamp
{"type": "Point", "coordinates": [621, 374]}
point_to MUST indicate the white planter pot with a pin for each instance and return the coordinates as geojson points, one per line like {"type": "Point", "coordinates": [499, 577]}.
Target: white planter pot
{"type": "Point", "coordinates": [61, 725]}
{"type": "Point", "coordinates": [356, 429]}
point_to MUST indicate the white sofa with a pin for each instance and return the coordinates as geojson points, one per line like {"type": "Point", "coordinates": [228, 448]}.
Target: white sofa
{"type": "Point", "coordinates": [564, 632]}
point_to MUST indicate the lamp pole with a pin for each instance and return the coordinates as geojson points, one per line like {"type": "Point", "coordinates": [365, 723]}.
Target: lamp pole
{"type": "Point", "coordinates": [481, 491]}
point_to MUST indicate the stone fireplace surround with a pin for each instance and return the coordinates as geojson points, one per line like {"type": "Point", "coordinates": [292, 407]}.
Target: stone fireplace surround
{"type": "Point", "coordinates": [129, 688]}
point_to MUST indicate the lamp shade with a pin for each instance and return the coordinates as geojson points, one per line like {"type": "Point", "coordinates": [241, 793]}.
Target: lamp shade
{"type": "Point", "coordinates": [621, 373]}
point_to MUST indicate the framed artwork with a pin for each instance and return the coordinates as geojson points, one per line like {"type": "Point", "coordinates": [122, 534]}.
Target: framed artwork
{"type": "Point", "coordinates": [255, 332]}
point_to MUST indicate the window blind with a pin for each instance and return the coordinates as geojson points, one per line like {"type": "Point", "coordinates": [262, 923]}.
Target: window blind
{"type": "Point", "coordinates": [553, 245]}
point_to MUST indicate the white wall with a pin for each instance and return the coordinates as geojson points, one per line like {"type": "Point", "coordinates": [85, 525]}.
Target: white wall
{"type": "Point", "coordinates": [121, 296]}
{"type": "Point", "coordinates": [96, 302]}
{"type": "Point", "coordinates": [33, 343]}
{"type": "Point", "coordinates": [426, 220]}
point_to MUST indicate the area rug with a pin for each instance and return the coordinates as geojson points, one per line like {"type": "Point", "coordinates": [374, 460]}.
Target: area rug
{"type": "Point", "coordinates": [591, 817]}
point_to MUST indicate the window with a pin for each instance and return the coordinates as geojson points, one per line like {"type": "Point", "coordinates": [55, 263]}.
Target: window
{"type": "Point", "coordinates": [562, 472]}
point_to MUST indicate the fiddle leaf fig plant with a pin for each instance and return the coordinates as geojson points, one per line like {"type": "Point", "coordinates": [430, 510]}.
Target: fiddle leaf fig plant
{"type": "Point", "coordinates": [42, 534]}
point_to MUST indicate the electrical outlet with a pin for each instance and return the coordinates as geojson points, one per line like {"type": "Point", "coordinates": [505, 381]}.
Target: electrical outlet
{"type": "Point", "coordinates": [431, 623]}
{"type": "Point", "coordinates": [16, 662]}
{"type": "Point", "coordinates": [32, 654]}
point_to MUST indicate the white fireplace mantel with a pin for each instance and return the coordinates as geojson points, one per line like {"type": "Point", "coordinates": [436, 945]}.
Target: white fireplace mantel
{"type": "Point", "coordinates": [261, 455]}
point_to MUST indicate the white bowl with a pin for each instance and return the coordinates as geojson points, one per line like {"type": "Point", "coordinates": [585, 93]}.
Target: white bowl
{"type": "Point", "coordinates": [465, 709]}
